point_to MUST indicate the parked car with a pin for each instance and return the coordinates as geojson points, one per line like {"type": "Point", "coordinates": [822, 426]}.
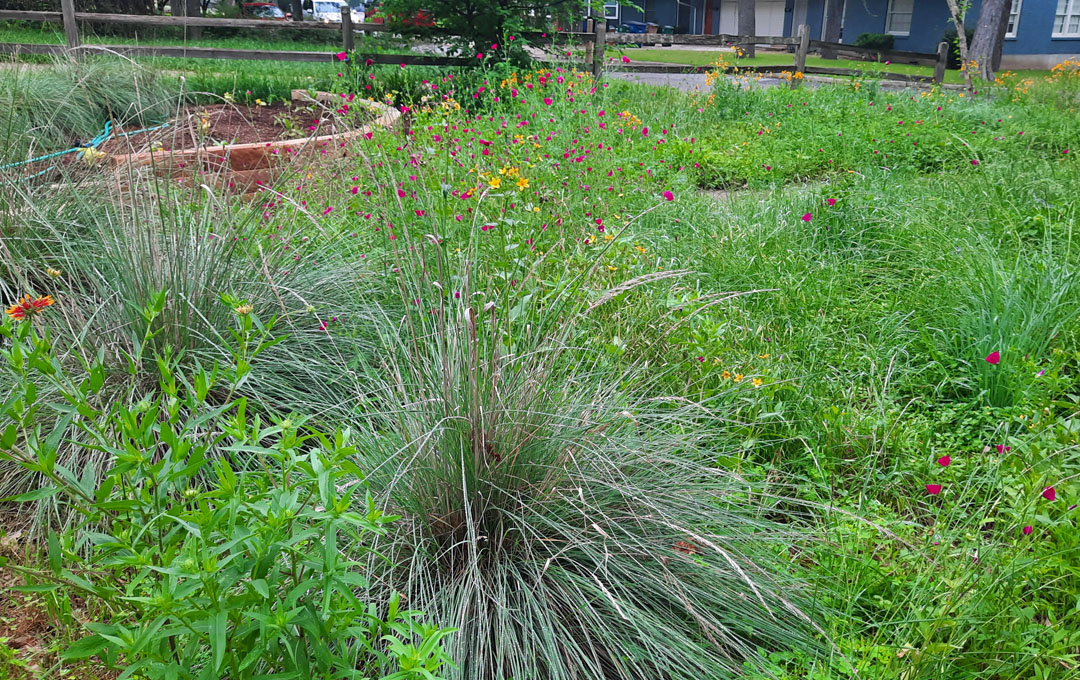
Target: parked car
{"type": "Point", "coordinates": [329, 11]}
{"type": "Point", "coordinates": [422, 18]}
{"type": "Point", "coordinates": [263, 10]}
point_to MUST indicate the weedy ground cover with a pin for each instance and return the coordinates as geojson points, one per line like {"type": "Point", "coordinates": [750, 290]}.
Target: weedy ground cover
{"type": "Point", "coordinates": [823, 424]}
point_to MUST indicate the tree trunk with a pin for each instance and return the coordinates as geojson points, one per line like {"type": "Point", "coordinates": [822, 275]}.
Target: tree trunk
{"type": "Point", "coordinates": [192, 8]}
{"type": "Point", "coordinates": [989, 34]}
{"type": "Point", "coordinates": [961, 39]}
{"type": "Point", "coordinates": [297, 10]}
{"type": "Point", "coordinates": [748, 24]}
{"type": "Point", "coordinates": [834, 18]}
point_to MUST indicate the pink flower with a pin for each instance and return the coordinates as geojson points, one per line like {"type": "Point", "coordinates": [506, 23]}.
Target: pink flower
{"type": "Point", "coordinates": [626, 60]}
{"type": "Point", "coordinates": [1001, 448]}
{"type": "Point", "coordinates": [547, 100]}
{"type": "Point", "coordinates": [933, 489]}
{"type": "Point", "coordinates": [479, 55]}
{"type": "Point", "coordinates": [495, 46]}
{"type": "Point", "coordinates": [1049, 493]}
{"type": "Point", "coordinates": [369, 62]}
{"type": "Point", "coordinates": [1027, 530]}
{"type": "Point", "coordinates": [830, 201]}
{"type": "Point", "coordinates": [668, 196]}
{"type": "Point", "coordinates": [993, 358]}
{"type": "Point", "coordinates": [944, 461]}
{"type": "Point", "coordinates": [807, 217]}
{"type": "Point", "coordinates": [974, 161]}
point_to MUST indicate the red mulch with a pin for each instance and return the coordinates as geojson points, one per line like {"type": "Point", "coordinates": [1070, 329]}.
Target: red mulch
{"type": "Point", "coordinates": [228, 124]}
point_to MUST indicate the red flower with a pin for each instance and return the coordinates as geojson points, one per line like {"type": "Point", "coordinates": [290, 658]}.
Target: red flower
{"type": "Point", "coordinates": [668, 196]}
{"type": "Point", "coordinates": [993, 358]}
{"type": "Point", "coordinates": [944, 461]}
{"type": "Point", "coordinates": [974, 162]}
{"type": "Point", "coordinates": [1001, 448]}
{"type": "Point", "coordinates": [1027, 530]}
{"type": "Point", "coordinates": [342, 56]}
{"type": "Point", "coordinates": [1049, 493]}
{"type": "Point", "coordinates": [830, 201]}
{"type": "Point", "coordinates": [29, 307]}
{"type": "Point", "coordinates": [626, 60]}
{"type": "Point", "coordinates": [933, 489]}
{"type": "Point", "coordinates": [807, 217]}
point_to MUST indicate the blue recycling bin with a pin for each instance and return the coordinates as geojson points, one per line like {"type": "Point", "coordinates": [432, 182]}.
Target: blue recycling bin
{"type": "Point", "coordinates": [634, 26]}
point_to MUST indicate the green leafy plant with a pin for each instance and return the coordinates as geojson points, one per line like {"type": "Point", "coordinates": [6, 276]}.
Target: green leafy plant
{"type": "Point", "coordinates": [215, 543]}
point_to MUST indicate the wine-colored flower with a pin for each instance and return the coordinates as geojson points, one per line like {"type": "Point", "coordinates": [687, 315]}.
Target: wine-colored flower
{"type": "Point", "coordinates": [1027, 530]}
{"type": "Point", "coordinates": [28, 306]}
{"type": "Point", "coordinates": [1001, 448]}
{"type": "Point", "coordinates": [933, 489]}
{"type": "Point", "coordinates": [342, 56]}
{"type": "Point", "coordinates": [626, 60]}
{"type": "Point", "coordinates": [944, 461]}
{"type": "Point", "coordinates": [974, 162]}
{"type": "Point", "coordinates": [830, 201]}
{"type": "Point", "coordinates": [807, 217]}
{"type": "Point", "coordinates": [993, 358]}
{"type": "Point", "coordinates": [1049, 493]}
{"type": "Point", "coordinates": [668, 196]}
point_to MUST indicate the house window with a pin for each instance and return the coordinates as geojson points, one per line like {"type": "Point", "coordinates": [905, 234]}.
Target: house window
{"type": "Point", "coordinates": [1014, 19]}
{"type": "Point", "coordinates": [1067, 19]}
{"type": "Point", "coordinates": [611, 11]}
{"type": "Point", "coordinates": [898, 17]}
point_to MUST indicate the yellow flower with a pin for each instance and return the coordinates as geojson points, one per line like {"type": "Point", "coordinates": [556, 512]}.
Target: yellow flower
{"type": "Point", "coordinates": [725, 375]}
{"type": "Point", "coordinates": [763, 356]}
{"type": "Point", "coordinates": [757, 382]}
{"type": "Point", "coordinates": [244, 310]}
{"type": "Point", "coordinates": [612, 268]}
{"type": "Point", "coordinates": [739, 377]}
{"type": "Point", "coordinates": [495, 183]}
{"type": "Point", "coordinates": [522, 183]}
{"type": "Point", "coordinates": [54, 273]}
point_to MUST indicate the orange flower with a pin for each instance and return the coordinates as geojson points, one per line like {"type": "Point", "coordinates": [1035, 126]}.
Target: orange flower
{"type": "Point", "coordinates": [29, 307]}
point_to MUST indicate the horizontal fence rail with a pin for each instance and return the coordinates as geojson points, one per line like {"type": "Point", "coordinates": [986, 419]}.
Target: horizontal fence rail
{"type": "Point", "coordinates": [183, 22]}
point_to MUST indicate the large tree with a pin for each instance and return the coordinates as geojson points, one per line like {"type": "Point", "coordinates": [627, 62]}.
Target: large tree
{"type": "Point", "coordinates": [748, 23]}
{"type": "Point", "coordinates": [834, 19]}
{"type": "Point", "coordinates": [986, 45]}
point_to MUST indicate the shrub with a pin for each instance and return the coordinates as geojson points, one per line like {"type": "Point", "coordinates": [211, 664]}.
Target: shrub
{"type": "Point", "coordinates": [952, 37]}
{"type": "Point", "coordinates": [877, 41]}
{"type": "Point", "coordinates": [211, 546]}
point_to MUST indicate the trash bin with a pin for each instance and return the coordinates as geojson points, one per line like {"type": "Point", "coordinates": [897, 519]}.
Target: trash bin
{"type": "Point", "coordinates": [652, 28]}
{"type": "Point", "coordinates": [667, 30]}
{"type": "Point", "coordinates": [634, 26]}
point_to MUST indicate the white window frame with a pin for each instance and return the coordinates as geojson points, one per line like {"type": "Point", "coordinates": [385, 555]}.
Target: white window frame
{"type": "Point", "coordinates": [892, 11]}
{"type": "Point", "coordinates": [1066, 9]}
{"type": "Point", "coordinates": [1013, 19]}
{"type": "Point", "coordinates": [608, 13]}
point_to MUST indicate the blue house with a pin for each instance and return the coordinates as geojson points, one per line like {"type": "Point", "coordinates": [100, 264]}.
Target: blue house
{"type": "Point", "coordinates": [1041, 33]}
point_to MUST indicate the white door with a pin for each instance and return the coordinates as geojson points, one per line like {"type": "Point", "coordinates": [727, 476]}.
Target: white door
{"type": "Point", "coordinates": [729, 17]}
{"type": "Point", "coordinates": [768, 20]}
{"type": "Point", "coordinates": [770, 17]}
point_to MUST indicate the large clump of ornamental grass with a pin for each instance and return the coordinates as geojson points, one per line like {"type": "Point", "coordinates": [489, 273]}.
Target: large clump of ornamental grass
{"type": "Point", "coordinates": [568, 526]}
{"type": "Point", "coordinates": [44, 109]}
{"type": "Point", "coordinates": [105, 259]}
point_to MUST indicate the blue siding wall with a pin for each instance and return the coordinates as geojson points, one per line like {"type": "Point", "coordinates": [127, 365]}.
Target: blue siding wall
{"type": "Point", "coordinates": [815, 14]}
{"type": "Point", "coordinates": [930, 20]}
{"type": "Point", "coordinates": [1033, 33]}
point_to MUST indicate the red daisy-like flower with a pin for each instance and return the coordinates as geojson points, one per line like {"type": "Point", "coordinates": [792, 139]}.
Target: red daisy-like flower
{"type": "Point", "coordinates": [28, 306]}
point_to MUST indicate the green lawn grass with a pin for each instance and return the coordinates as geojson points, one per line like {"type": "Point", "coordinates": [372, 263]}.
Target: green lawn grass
{"type": "Point", "coordinates": [704, 58]}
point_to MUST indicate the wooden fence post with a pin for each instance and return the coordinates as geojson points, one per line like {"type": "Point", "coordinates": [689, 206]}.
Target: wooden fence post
{"type": "Point", "coordinates": [590, 43]}
{"type": "Point", "coordinates": [346, 28]}
{"type": "Point", "coordinates": [598, 50]}
{"type": "Point", "coordinates": [800, 55]}
{"type": "Point", "coordinates": [942, 60]}
{"type": "Point", "coordinates": [71, 29]}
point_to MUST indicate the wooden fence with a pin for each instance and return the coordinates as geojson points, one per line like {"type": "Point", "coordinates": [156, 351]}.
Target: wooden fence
{"type": "Point", "coordinates": [594, 42]}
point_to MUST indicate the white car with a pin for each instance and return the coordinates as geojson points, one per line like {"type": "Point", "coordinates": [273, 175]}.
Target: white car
{"type": "Point", "coordinates": [329, 11]}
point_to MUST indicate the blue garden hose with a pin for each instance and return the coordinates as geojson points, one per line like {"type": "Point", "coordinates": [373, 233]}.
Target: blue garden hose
{"type": "Point", "coordinates": [105, 136]}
